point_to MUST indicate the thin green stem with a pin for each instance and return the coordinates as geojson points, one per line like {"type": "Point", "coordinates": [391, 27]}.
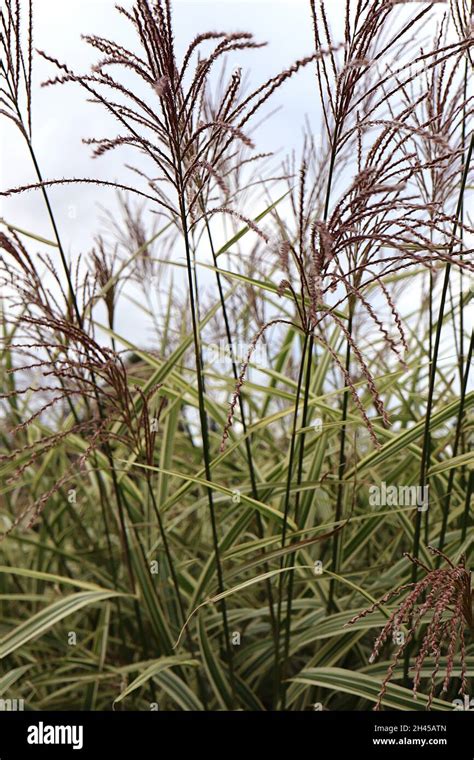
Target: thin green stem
{"type": "Point", "coordinates": [204, 425]}
{"type": "Point", "coordinates": [341, 469]}
{"type": "Point", "coordinates": [434, 361]}
{"type": "Point", "coordinates": [291, 560]}
{"type": "Point", "coordinates": [286, 509]}
{"type": "Point", "coordinates": [457, 439]}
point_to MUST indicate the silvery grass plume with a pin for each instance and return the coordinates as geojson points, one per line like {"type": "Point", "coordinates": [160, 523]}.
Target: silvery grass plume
{"type": "Point", "coordinates": [16, 63]}
{"type": "Point", "coordinates": [442, 600]}
{"type": "Point", "coordinates": [133, 240]}
{"type": "Point", "coordinates": [375, 199]}
{"type": "Point", "coordinates": [187, 142]}
{"type": "Point", "coordinates": [74, 382]}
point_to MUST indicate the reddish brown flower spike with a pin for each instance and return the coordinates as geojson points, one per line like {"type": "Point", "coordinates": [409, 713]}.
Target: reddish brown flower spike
{"type": "Point", "coordinates": [443, 601]}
